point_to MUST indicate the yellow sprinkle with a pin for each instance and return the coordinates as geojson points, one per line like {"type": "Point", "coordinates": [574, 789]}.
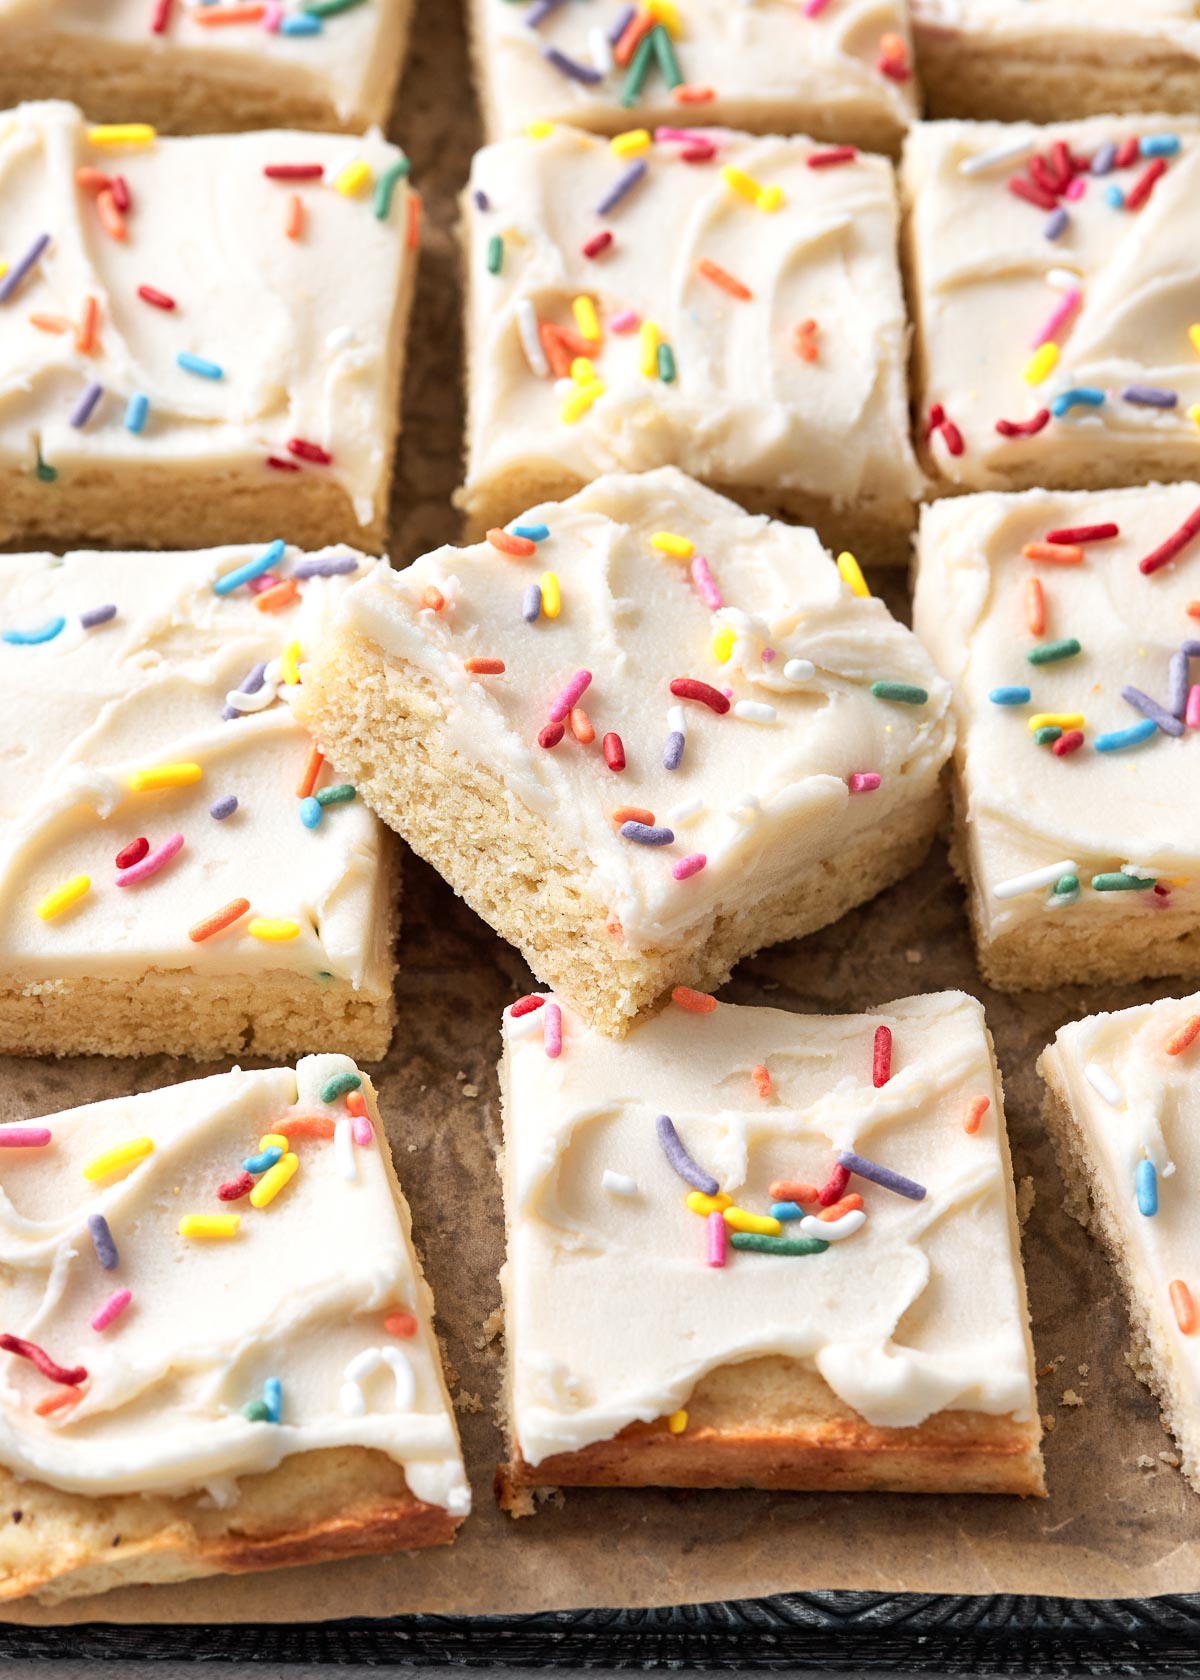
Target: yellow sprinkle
{"type": "Point", "coordinates": [1042, 363]}
{"type": "Point", "coordinates": [218, 1225]}
{"type": "Point", "coordinates": [551, 595]}
{"type": "Point", "coordinates": [112, 1160]}
{"type": "Point", "coordinates": [1063, 720]}
{"type": "Point", "coordinates": [744, 185]}
{"type": "Point", "coordinates": [1194, 335]}
{"type": "Point", "coordinates": [722, 645]}
{"type": "Point", "coordinates": [3, 269]}
{"type": "Point", "coordinates": [666, 13]}
{"type": "Point", "coordinates": [263, 927]}
{"type": "Point", "coordinates": [768, 198]}
{"type": "Point", "coordinates": [739, 1220]}
{"type": "Point", "coordinates": [273, 1140]}
{"type": "Point", "coordinates": [121, 134]}
{"type": "Point", "coordinates": [704, 1205]}
{"type": "Point", "coordinates": [648, 337]}
{"type": "Point", "coordinates": [273, 1180]}
{"type": "Point", "coordinates": [289, 663]}
{"type": "Point", "coordinates": [629, 144]}
{"type": "Point", "coordinates": [577, 402]}
{"type": "Point", "coordinates": [677, 1422]}
{"type": "Point", "coordinates": [583, 370]}
{"type": "Point", "coordinates": [851, 572]}
{"type": "Point", "coordinates": [165, 776]}
{"type": "Point", "coordinates": [540, 129]}
{"type": "Point", "coordinates": [1194, 414]}
{"type": "Point", "coordinates": [62, 897]}
{"type": "Point", "coordinates": [668, 543]}
{"type": "Point", "coordinates": [586, 319]}
{"type": "Point", "coordinates": [354, 179]}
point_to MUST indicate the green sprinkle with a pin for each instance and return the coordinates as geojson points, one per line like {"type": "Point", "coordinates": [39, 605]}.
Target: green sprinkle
{"type": "Point", "coordinates": [495, 254]}
{"type": "Point", "coordinates": [668, 64]}
{"type": "Point", "coordinates": [1066, 884]}
{"type": "Point", "coordinates": [329, 8]}
{"type": "Point", "coordinates": [255, 1411]}
{"type": "Point", "coordinates": [341, 793]}
{"type": "Point", "coordinates": [777, 1245]}
{"type": "Point", "coordinates": [338, 1084]}
{"type": "Point", "coordinates": [666, 364]}
{"type": "Point", "coordinates": [1047, 652]}
{"type": "Point", "coordinates": [386, 186]}
{"type": "Point", "coordinates": [639, 66]}
{"type": "Point", "coordinates": [46, 474]}
{"type": "Point", "coordinates": [908, 693]}
{"type": "Point", "coordinates": [1118, 881]}
{"type": "Point", "coordinates": [1048, 732]}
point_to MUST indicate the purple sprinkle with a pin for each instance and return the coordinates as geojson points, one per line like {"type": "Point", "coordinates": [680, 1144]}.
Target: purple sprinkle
{"type": "Point", "coordinates": [1150, 708]}
{"type": "Point", "coordinates": [482, 202]}
{"type": "Point", "coordinates": [1191, 649]}
{"type": "Point", "coordinates": [82, 412]}
{"type": "Point", "coordinates": [223, 808]}
{"type": "Point", "coordinates": [540, 11]}
{"type": "Point", "coordinates": [97, 615]}
{"type": "Point", "coordinates": [1104, 159]}
{"type": "Point", "coordinates": [682, 1161]}
{"type": "Point", "coordinates": [254, 678]}
{"type": "Point", "coordinates": [1177, 684]}
{"type": "Point", "coordinates": [625, 182]}
{"type": "Point", "coordinates": [531, 604]}
{"type": "Point", "coordinates": [102, 1241]}
{"type": "Point", "coordinates": [673, 751]}
{"type": "Point", "coordinates": [571, 67]}
{"type": "Point", "coordinates": [1150, 396]}
{"type": "Point", "coordinates": [883, 1176]}
{"type": "Point", "coordinates": [620, 24]}
{"type": "Point", "coordinates": [21, 268]}
{"type": "Point", "coordinates": [331, 565]}
{"type": "Point", "coordinates": [1055, 222]}
{"type": "Point", "coordinates": [647, 836]}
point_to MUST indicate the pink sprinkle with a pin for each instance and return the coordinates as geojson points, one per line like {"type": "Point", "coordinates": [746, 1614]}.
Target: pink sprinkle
{"type": "Point", "coordinates": [570, 696]}
{"type": "Point", "coordinates": [1192, 715]}
{"type": "Point", "coordinates": [112, 1308]}
{"type": "Point", "coordinates": [715, 1224]}
{"type": "Point", "coordinates": [625, 320]}
{"type": "Point", "coordinates": [813, 8]}
{"type": "Point", "coordinates": [690, 865]}
{"type": "Point", "coordinates": [360, 1130]}
{"type": "Point", "coordinates": [863, 781]}
{"type": "Point", "coordinates": [767, 655]}
{"type": "Point", "coordinates": [552, 1031]}
{"type": "Point", "coordinates": [598, 242]}
{"type": "Point", "coordinates": [151, 863]}
{"type": "Point", "coordinates": [680, 134]}
{"type": "Point", "coordinates": [267, 580]}
{"type": "Point", "coordinates": [1057, 318]}
{"type": "Point", "coordinates": [24, 1137]}
{"type": "Point", "coordinates": [273, 16]}
{"type": "Point", "coordinates": [1076, 189]}
{"type": "Point", "coordinates": [706, 584]}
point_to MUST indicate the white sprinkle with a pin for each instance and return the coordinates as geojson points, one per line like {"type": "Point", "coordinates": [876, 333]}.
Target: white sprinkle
{"type": "Point", "coordinates": [600, 51]}
{"type": "Point", "coordinates": [341, 338]}
{"type": "Point", "coordinates": [684, 815]}
{"type": "Point", "coordinates": [256, 702]}
{"type": "Point", "coordinates": [406, 1382]}
{"type": "Point", "coordinates": [619, 1183]}
{"type": "Point", "coordinates": [799, 670]}
{"type": "Point", "coordinates": [524, 1026]}
{"type": "Point", "coordinates": [351, 1400]}
{"type": "Point", "coordinates": [833, 1230]}
{"type": "Point", "coordinates": [745, 809]}
{"type": "Point", "coordinates": [527, 327]}
{"type": "Point", "coordinates": [370, 1359]}
{"type": "Point", "coordinates": [1046, 877]}
{"type": "Point", "coordinates": [1063, 279]}
{"type": "Point", "coordinates": [676, 722]}
{"type": "Point", "coordinates": [755, 711]}
{"type": "Point", "coordinates": [1139, 872]}
{"type": "Point", "coordinates": [343, 1150]}
{"type": "Point", "coordinates": [1004, 153]}
{"type": "Point", "coordinates": [1105, 1084]}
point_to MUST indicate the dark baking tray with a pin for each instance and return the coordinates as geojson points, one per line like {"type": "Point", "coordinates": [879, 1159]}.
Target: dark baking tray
{"type": "Point", "coordinates": [830, 1632]}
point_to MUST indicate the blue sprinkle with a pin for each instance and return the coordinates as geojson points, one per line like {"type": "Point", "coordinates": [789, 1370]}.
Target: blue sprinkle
{"type": "Point", "coordinates": [198, 365]}
{"type": "Point", "coordinates": [647, 836]}
{"type": "Point", "coordinates": [673, 751]}
{"type": "Point", "coordinates": [97, 615]}
{"type": "Point", "coordinates": [1009, 696]}
{"type": "Point", "coordinates": [302, 25]}
{"type": "Point", "coordinates": [1113, 196]}
{"type": "Point", "coordinates": [270, 556]}
{"type": "Point", "coordinates": [260, 1163]}
{"type": "Point", "coordinates": [32, 638]}
{"type": "Point", "coordinates": [273, 1399]}
{"type": "Point", "coordinates": [1055, 222]}
{"type": "Point", "coordinates": [1078, 396]}
{"type": "Point", "coordinates": [786, 1210]}
{"type": "Point", "coordinates": [1166, 721]}
{"type": "Point", "coordinates": [223, 807]}
{"type": "Point", "coordinates": [310, 811]}
{"type": "Point", "coordinates": [1147, 1189]}
{"type": "Point", "coordinates": [531, 603]}
{"type": "Point", "coordinates": [1116, 739]}
{"type": "Point", "coordinates": [1158, 145]}
{"type": "Point", "coordinates": [532, 533]}
{"type": "Point", "coordinates": [1105, 158]}
{"type": "Point", "coordinates": [136, 410]}
{"type": "Point", "coordinates": [102, 1242]}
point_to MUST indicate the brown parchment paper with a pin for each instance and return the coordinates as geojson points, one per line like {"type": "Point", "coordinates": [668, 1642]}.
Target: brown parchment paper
{"type": "Point", "coordinates": [1112, 1527]}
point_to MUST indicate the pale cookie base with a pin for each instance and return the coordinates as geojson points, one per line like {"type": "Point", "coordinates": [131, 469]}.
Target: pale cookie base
{"type": "Point", "coordinates": [384, 726]}
{"type": "Point", "coordinates": [1087, 1201]}
{"type": "Point", "coordinates": [182, 92]}
{"type": "Point", "coordinates": [1070, 947]}
{"type": "Point", "coordinates": [774, 1423]}
{"type": "Point", "coordinates": [313, 1508]}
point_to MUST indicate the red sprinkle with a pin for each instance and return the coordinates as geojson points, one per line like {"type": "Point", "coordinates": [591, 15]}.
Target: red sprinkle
{"type": "Point", "coordinates": [133, 853]}
{"type": "Point", "coordinates": [70, 1376]}
{"type": "Point", "coordinates": [1072, 535]}
{"type": "Point", "coordinates": [614, 750]}
{"type": "Point", "coordinates": [309, 451]}
{"type": "Point", "coordinates": [281, 465]}
{"type": "Point", "coordinates": [550, 735]}
{"type": "Point", "coordinates": [598, 242]}
{"type": "Point", "coordinates": [1141, 189]}
{"type": "Point", "coordinates": [1062, 163]}
{"type": "Point", "coordinates": [835, 1187]}
{"type": "Point", "coordinates": [1069, 742]}
{"type": "Point", "coordinates": [1170, 548]}
{"type": "Point", "coordinates": [1044, 177]}
{"type": "Point", "coordinates": [835, 154]}
{"type": "Point", "coordinates": [400, 1324]}
{"type": "Point", "coordinates": [1031, 193]}
{"type": "Point", "coordinates": [951, 437]}
{"type": "Point", "coordinates": [1127, 153]}
{"type": "Point", "coordinates": [690, 688]}
{"type": "Point", "coordinates": [159, 16]}
{"type": "Point", "coordinates": [936, 415]}
{"type": "Point", "coordinates": [294, 171]}
{"type": "Point", "coordinates": [236, 1188]}
{"type": "Point", "coordinates": [881, 1063]}
{"type": "Point", "coordinates": [761, 1076]}
{"type": "Point", "coordinates": [1024, 428]}
{"type": "Point", "coordinates": [151, 294]}
{"type": "Point", "coordinates": [120, 192]}
{"type": "Point", "coordinates": [527, 1004]}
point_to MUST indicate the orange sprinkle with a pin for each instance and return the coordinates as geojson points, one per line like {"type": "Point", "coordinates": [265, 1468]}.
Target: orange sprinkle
{"type": "Point", "coordinates": [613, 928]}
{"type": "Point", "coordinates": [111, 219]}
{"type": "Point", "coordinates": [1035, 606]}
{"type": "Point", "coordinates": [228, 14]}
{"type": "Point", "coordinates": [91, 180]}
{"type": "Point", "coordinates": [976, 1109]}
{"type": "Point", "coordinates": [219, 919]}
{"type": "Point", "coordinates": [432, 598]}
{"type": "Point", "coordinates": [294, 226]}
{"type": "Point", "coordinates": [58, 1401]}
{"type": "Point", "coordinates": [1185, 1307]}
{"type": "Point", "coordinates": [277, 596]}
{"type": "Point", "coordinates": [762, 1084]}
{"type": "Point", "coordinates": [641, 24]}
{"type": "Point", "coordinates": [356, 1104]}
{"type": "Point", "coordinates": [484, 667]}
{"type": "Point", "coordinates": [793, 1190]}
{"type": "Point", "coordinates": [802, 340]}
{"type": "Point", "coordinates": [400, 1324]}
{"type": "Point", "coordinates": [581, 726]}
{"type": "Point", "coordinates": [1193, 609]}
{"type": "Point", "coordinates": [312, 769]}
{"type": "Point", "coordinates": [719, 277]}
{"type": "Point", "coordinates": [835, 1210]}
{"type": "Point", "coordinates": [85, 333]}
{"type": "Point", "coordinates": [686, 95]}
{"type": "Point", "coordinates": [519, 548]}
{"type": "Point", "coordinates": [554, 350]}
{"type": "Point", "coordinates": [50, 323]}
{"type": "Point", "coordinates": [1058, 554]}
{"type": "Point", "coordinates": [306, 1126]}
{"type": "Point", "coordinates": [412, 220]}
{"type": "Point", "coordinates": [696, 1003]}
{"type": "Point", "coordinates": [1183, 1036]}
{"type": "Point", "coordinates": [633, 813]}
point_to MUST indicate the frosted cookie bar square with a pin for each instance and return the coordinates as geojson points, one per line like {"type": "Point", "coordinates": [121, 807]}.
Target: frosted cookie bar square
{"type": "Point", "coordinates": [1016, 62]}
{"type": "Point", "coordinates": [191, 66]}
{"type": "Point", "coordinates": [1053, 278]}
{"type": "Point", "coordinates": [731, 307]}
{"type": "Point", "coordinates": [1123, 1107]}
{"type": "Point", "coordinates": [756, 1249]}
{"type": "Point", "coordinates": [1064, 625]}
{"type": "Point", "coordinates": [201, 340]}
{"type": "Point", "coordinates": [179, 870]}
{"type": "Point", "coordinates": [643, 734]}
{"type": "Point", "coordinates": [191, 1387]}
{"type": "Point", "coordinates": [837, 72]}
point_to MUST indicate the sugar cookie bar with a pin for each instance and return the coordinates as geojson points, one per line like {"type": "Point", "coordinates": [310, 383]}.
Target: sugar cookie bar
{"type": "Point", "coordinates": [1123, 1107]}
{"type": "Point", "coordinates": [178, 870]}
{"type": "Point", "coordinates": [1052, 279]}
{"type": "Point", "coordinates": [1064, 625]}
{"type": "Point", "coordinates": [1015, 62]}
{"type": "Point", "coordinates": [756, 1249]}
{"type": "Point", "coordinates": [191, 1387]}
{"type": "Point", "coordinates": [731, 307]}
{"type": "Point", "coordinates": [838, 72]}
{"type": "Point", "coordinates": [191, 66]}
{"type": "Point", "coordinates": [643, 734]}
{"type": "Point", "coordinates": [201, 340]}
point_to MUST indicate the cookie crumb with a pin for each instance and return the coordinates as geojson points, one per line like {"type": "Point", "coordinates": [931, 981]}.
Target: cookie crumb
{"type": "Point", "coordinates": [1070, 1398]}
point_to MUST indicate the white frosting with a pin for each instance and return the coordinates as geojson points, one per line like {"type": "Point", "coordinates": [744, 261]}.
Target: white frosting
{"type": "Point", "coordinates": [988, 280]}
{"type": "Point", "coordinates": [210, 1320]}
{"type": "Point", "coordinates": [205, 228]}
{"type": "Point", "coordinates": [1026, 808]}
{"type": "Point", "coordinates": [342, 64]}
{"type": "Point", "coordinates": [90, 707]}
{"type": "Point", "coordinates": [613, 1316]}
{"type": "Point", "coordinates": [755, 56]}
{"type": "Point", "coordinates": [744, 408]}
{"type": "Point", "coordinates": [760, 799]}
{"type": "Point", "coordinates": [1108, 26]}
